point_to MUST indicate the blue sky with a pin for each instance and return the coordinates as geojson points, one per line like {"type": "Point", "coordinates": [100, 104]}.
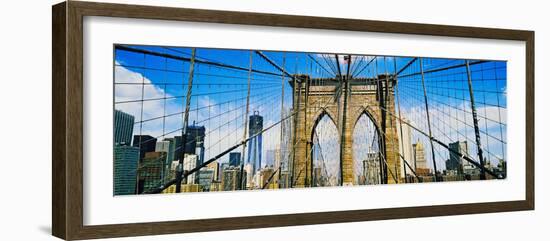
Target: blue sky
{"type": "Point", "coordinates": [219, 95]}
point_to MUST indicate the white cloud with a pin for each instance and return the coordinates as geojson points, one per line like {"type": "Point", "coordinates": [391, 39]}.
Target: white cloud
{"type": "Point", "coordinates": [131, 86]}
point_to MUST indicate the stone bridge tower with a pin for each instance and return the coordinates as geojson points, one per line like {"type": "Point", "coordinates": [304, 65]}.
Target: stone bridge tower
{"type": "Point", "coordinates": [344, 101]}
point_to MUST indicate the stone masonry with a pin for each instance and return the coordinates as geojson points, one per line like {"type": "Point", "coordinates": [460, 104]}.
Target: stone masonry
{"type": "Point", "coordinates": [317, 97]}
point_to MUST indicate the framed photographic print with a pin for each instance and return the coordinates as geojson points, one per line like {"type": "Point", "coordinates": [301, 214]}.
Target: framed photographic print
{"type": "Point", "coordinates": [171, 120]}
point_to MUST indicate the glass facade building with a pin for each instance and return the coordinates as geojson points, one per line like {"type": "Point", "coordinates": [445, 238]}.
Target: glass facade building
{"type": "Point", "coordinates": [124, 127]}
{"type": "Point", "coordinates": [125, 169]}
{"type": "Point", "coordinates": [255, 127]}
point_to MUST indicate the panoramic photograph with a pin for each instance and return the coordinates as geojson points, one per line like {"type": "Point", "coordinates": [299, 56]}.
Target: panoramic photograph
{"type": "Point", "coordinates": [192, 119]}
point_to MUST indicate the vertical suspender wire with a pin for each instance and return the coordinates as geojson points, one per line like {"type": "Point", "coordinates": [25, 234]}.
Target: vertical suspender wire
{"type": "Point", "coordinates": [242, 182]}
{"type": "Point", "coordinates": [180, 173]}
{"type": "Point", "coordinates": [428, 118]}
{"type": "Point", "coordinates": [476, 125]}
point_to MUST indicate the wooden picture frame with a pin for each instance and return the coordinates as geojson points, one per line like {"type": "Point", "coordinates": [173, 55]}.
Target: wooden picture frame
{"type": "Point", "coordinates": [67, 123]}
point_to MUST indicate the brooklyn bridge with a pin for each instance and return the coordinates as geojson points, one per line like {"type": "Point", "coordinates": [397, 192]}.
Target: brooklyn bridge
{"type": "Point", "coordinates": [197, 119]}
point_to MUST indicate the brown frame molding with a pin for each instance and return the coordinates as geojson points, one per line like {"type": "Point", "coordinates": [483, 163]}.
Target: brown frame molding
{"type": "Point", "coordinates": [67, 119]}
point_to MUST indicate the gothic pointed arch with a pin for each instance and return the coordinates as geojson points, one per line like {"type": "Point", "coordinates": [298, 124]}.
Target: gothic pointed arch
{"type": "Point", "coordinates": [325, 152]}
{"type": "Point", "coordinates": [367, 150]}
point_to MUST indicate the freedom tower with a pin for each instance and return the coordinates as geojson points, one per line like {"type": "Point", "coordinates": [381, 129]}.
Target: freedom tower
{"type": "Point", "coordinates": [255, 127]}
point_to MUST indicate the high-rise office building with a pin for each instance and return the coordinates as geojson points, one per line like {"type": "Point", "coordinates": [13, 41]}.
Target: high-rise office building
{"type": "Point", "coordinates": [266, 178]}
{"type": "Point", "coordinates": [125, 169]}
{"type": "Point", "coordinates": [166, 147]}
{"type": "Point", "coordinates": [194, 143]}
{"type": "Point", "coordinates": [184, 188]}
{"type": "Point", "coordinates": [419, 156]}
{"type": "Point", "coordinates": [189, 163]}
{"type": "Point", "coordinates": [405, 145]}
{"type": "Point", "coordinates": [456, 162]}
{"type": "Point", "coordinates": [231, 178]}
{"type": "Point", "coordinates": [216, 186]}
{"type": "Point", "coordinates": [150, 171]}
{"type": "Point", "coordinates": [255, 127]}
{"type": "Point", "coordinates": [205, 177]}
{"type": "Point", "coordinates": [370, 169]}
{"type": "Point", "coordinates": [171, 157]}
{"type": "Point", "coordinates": [123, 128]}
{"type": "Point", "coordinates": [235, 159]}
{"type": "Point", "coordinates": [173, 168]}
{"type": "Point", "coordinates": [171, 149]}
{"type": "Point", "coordinates": [215, 166]}
{"type": "Point", "coordinates": [248, 174]}
{"type": "Point", "coordinates": [162, 146]}
{"type": "Point", "coordinates": [223, 166]}
{"type": "Point", "coordinates": [146, 143]}
{"type": "Point", "coordinates": [286, 143]}
{"type": "Point", "coordinates": [501, 166]}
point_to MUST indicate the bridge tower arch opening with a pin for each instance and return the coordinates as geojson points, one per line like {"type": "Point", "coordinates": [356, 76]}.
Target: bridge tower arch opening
{"type": "Point", "coordinates": [367, 151]}
{"type": "Point", "coordinates": [325, 152]}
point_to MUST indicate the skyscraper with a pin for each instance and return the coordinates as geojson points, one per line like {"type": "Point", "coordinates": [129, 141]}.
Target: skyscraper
{"type": "Point", "coordinates": [456, 162]}
{"type": "Point", "coordinates": [371, 169]}
{"type": "Point", "coordinates": [146, 143]}
{"type": "Point", "coordinates": [501, 168]}
{"type": "Point", "coordinates": [372, 172]}
{"type": "Point", "coordinates": [215, 166]}
{"type": "Point", "coordinates": [194, 143]}
{"type": "Point", "coordinates": [286, 143]}
{"type": "Point", "coordinates": [419, 156]}
{"type": "Point", "coordinates": [123, 128]}
{"type": "Point", "coordinates": [166, 147]}
{"type": "Point", "coordinates": [189, 163]}
{"type": "Point", "coordinates": [248, 175]}
{"type": "Point", "coordinates": [235, 159]}
{"type": "Point", "coordinates": [231, 178]}
{"type": "Point", "coordinates": [162, 146]}
{"type": "Point", "coordinates": [223, 166]}
{"type": "Point", "coordinates": [171, 148]}
{"type": "Point", "coordinates": [125, 169]}
{"type": "Point", "coordinates": [205, 178]}
{"type": "Point", "coordinates": [405, 145]}
{"type": "Point", "coordinates": [150, 171]}
{"type": "Point", "coordinates": [255, 127]}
